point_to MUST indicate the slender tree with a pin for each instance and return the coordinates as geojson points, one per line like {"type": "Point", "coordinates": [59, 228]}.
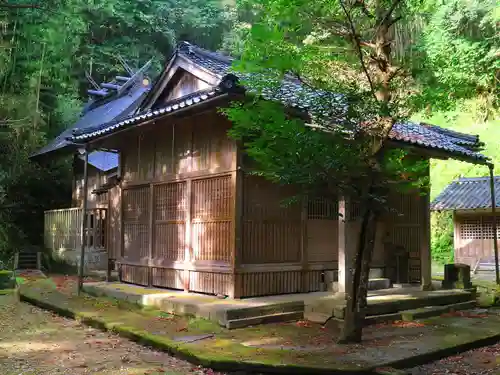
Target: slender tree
{"type": "Point", "coordinates": [340, 148]}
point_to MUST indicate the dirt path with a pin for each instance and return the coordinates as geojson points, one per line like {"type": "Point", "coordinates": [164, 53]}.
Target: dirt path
{"type": "Point", "coordinates": [482, 361]}
{"type": "Point", "coordinates": [35, 342]}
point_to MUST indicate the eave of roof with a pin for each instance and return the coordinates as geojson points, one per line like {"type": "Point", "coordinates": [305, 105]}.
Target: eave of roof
{"type": "Point", "coordinates": [111, 110]}
{"type": "Point", "coordinates": [292, 93]}
{"type": "Point", "coordinates": [174, 106]}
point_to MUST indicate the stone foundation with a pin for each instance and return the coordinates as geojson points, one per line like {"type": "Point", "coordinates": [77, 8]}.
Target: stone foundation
{"type": "Point", "coordinates": [96, 259]}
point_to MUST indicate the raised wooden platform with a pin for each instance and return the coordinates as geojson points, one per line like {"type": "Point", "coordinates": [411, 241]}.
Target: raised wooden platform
{"type": "Point", "coordinates": [383, 305]}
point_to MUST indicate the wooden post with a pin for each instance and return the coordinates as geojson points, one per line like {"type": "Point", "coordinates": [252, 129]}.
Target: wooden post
{"type": "Point", "coordinates": [188, 236]}
{"type": "Point", "coordinates": [494, 223]}
{"type": "Point", "coordinates": [151, 234]}
{"type": "Point", "coordinates": [238, 185]}
{"type": "Point", "coordinates": [425, 247]}
{"type": "Point", "coordinates": [82, 224]}
{"type": "Point", "coordinates": [303, 243]}
{"type": "Point", "coordinates": [346, 246]}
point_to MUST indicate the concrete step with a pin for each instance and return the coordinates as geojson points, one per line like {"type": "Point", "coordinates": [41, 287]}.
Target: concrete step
{"type": "Point", "coordinates": [264, 319]}
{"type": "Point", "coordinates": [257, 311]}
{"type": "Point", "coordinates": [393, 307]}
{"type": "Point", "coordinates": [380, 283]}
{"type": "Point", "coordinates": [421, 313]}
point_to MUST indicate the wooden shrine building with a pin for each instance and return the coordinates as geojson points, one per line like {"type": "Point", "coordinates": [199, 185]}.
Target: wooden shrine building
{"type": "Point", "coordinates": [470, 201]}
{"type": "Point", "coordinates": [109, 101]}
{"type": "Point", "coordinates": [188, 216]}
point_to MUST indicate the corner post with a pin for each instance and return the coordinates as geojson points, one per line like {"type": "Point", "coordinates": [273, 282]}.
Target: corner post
{"type": "Point", "coordinates": [346, 247]}
{"type": "Point", "coordinates": [85, 152]}
{"type": "Point", "coordinates": [494, 222]}
{"type": "Point", "coordinates": [425, 230]}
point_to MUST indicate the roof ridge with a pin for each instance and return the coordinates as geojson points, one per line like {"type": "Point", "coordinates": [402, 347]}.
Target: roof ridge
{"type": "Point", "coordinates": [187, 47]}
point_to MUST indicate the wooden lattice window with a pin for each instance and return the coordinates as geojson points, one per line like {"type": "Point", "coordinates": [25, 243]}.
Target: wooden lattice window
{"type": "Point", "coordinates": [170, 201]}
{"type": "Point", "coordinates": [322, 208]}
{"type": "Point", "coordinates": [471, 229]}
{"type": "Point", "coordinates": [212, 210]}
{"type": "Point", "coordinates": [136, 222]}
{"type": "Point", "coordinates": [212, 198]}
{"type": "Point", "coordinates": [488, 228]}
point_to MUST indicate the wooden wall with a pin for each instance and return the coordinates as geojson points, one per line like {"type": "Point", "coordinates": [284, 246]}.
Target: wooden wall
{"type": "Point", "coordinates": [187, 218]}
{"type": "Point", "coordinates": [406, 228]}
{"type": "Point", "coordinates": [96, 179]}
{"type": "Point", "coordinates": [178, 199]}
{"type": "Point", "coordinates": [473, 237]}
{"type": "Point", "coordinates": [285, 247]}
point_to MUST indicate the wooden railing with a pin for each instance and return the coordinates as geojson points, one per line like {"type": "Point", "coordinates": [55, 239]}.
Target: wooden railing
{"type": "Point", "coordinates": [62, 228]}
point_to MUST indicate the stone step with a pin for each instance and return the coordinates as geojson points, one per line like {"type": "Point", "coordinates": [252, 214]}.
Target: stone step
{"type": "Point", "coordinates": [264, 319]}
{"type": "Point", "coordinates": [378, 284]}
{"type": "Point", "coordinates": [421, 313]}
{"type": "Point", "coordinates": [393, 307]}
{"type": "Point", "coordinates": [251, 312]}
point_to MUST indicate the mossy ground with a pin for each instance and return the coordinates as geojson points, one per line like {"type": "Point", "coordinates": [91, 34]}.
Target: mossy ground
{"type": "Point", "coordinates": [293, 344]}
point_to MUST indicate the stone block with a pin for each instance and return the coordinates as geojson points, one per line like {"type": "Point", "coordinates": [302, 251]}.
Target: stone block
{"type": "Point", "coordinates": [377, 284]}
{"type": "Point", "coordinates": [376, 273]}
{"type": "Point", "coordinates": [456, 276]}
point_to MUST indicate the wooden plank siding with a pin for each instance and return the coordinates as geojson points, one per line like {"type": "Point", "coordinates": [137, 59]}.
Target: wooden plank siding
{"type": "Point", "coordinates": [473, 238]}
{"type": "Point", "coordinates": [184, 171]}
{"type": "Point", "coordinates": [193, 219]}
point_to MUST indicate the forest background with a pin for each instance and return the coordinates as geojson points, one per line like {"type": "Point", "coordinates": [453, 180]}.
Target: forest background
{"type": "Point", "coordinates": [453, 47]}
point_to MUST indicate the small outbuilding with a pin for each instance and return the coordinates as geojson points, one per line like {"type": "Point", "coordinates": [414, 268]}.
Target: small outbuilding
{"type": "Point", "coordinates": [470, 201]}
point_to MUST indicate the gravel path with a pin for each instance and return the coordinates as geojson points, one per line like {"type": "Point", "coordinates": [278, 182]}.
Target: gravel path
{"type": "Point", "coordinates": [36, 342]}
{"type": "Point", "coordinates": [482, 361]}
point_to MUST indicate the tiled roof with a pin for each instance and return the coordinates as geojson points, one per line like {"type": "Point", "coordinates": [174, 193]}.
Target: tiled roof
{"type": "Point", "coordinates": [467, 193]}
{"type": "Point", "coordinates": [293, 93]}
{"type": "Point", "coordinates": [111, 110]}
{"type": "Point", "coordinates": [173, 106]}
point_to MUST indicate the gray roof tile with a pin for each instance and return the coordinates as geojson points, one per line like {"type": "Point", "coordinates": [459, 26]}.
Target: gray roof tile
{"type": "Point", "coordinates": [109, 111]}
{"type": "Point", "coordinates": [293, 93]}
{"type": "Point", "coordinates": [466, 194]}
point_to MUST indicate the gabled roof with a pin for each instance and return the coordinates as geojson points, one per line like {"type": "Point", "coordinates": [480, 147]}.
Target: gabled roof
{"type": "Point", "coordinates": [292, 93]}
{"type": "Point", "coordinates": [467, 194]}
{"type": "Point", "coordinates": [112, 110]}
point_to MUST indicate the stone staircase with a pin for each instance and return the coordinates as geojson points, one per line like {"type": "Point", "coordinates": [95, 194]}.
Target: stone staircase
{"type": "Point", "coordinates": [406, 309]}
{"type": "Point", "coordinates": [28, 259]}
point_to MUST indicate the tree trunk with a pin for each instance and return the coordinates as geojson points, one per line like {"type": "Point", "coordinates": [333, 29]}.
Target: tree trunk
{"type": "Point", "coordinates": [356, 293]}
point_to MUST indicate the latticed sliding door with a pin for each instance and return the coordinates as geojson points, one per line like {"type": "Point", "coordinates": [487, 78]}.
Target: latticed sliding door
{"type": "Point", "coordinates": [136, 233]}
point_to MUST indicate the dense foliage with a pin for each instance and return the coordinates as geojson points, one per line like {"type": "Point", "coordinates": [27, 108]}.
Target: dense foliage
{"type": "Point", "coordinates": [45, 53]}
{"type": "Point", "coordinates": [452, 47]}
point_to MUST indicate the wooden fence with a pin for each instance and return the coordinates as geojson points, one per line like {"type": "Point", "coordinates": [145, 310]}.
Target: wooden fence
{"type": "Point", "coordinates": [62, 228]}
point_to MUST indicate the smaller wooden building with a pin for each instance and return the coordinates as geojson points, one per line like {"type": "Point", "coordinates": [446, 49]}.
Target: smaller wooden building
{"type": "Point", "coordinates": [108, 102]}
{"type": "Point", "coordinates": [470, 201]}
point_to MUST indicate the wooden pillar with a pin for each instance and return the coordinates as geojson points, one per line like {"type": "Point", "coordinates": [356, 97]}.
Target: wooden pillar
{"type": "Point", "coordinates": [151, 221]}
{"type": "Point", "coordinates": [425, 245]}
{"type": "Point", "coordinates": [188, 245]}
{"type": "Point", "coordinates": [347, 238]}
{"type": "Point", "coordinates": [83, 223]}
{"type": "Point", "coordinates": [303, 244]}
{"type": "Point", "coordinates": [238, 184]}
